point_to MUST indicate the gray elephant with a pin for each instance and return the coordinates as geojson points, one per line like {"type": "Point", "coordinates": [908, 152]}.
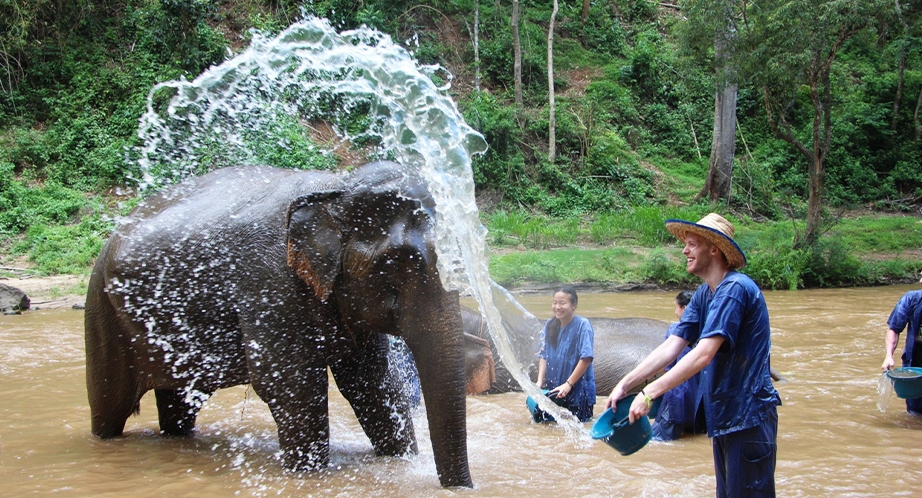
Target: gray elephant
{"type": "Point", "coordinates": [266, 276]}
{"type": "Point", "coordinates": [620, 345]}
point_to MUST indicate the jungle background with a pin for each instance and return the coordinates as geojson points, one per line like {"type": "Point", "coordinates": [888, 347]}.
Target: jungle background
{"type": "Point", "coordinates": [798, 120]}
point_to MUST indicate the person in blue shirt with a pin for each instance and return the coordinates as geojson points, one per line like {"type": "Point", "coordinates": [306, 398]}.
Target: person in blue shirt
{"type": "Point", "coordinates": [677, 411]}
{"type": "Point", "coordinates": [565, 359]}
{"type": "Point", "coordinates": [907, 312]}
{"type": "Point", "coordinates": [727, 322]}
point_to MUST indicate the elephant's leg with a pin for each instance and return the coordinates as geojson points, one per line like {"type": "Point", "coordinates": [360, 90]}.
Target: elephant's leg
{"type": "Point", "coordinates": [288, 371]}
{"type": "Point", "coordinates": [111, 381]}
{"type": "Point", "coordinates": [177, 415]}
{"type": "Point", "coordinates": [299, 407]}
{"type": "Point", "coordinates": [376, 397]}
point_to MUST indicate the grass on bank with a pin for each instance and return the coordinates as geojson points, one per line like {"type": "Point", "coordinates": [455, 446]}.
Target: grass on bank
{"type": "Point", "coordinates": [634, 246]}
{"type": "Point", "coordinates": [631, 246]}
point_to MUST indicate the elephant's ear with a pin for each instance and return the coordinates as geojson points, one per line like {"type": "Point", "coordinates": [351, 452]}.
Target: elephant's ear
{"type": "Point", "coordinates": [315, 241]}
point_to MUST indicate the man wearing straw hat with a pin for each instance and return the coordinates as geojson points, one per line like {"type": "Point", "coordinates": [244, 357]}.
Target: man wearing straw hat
{"type": "Point", "coordinates": [907, 312]}
{"type": "Point", "coordinates": [727, 321]}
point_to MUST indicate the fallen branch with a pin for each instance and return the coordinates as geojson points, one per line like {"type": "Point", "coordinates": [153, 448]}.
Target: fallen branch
{"type": "Point", "coordinates": [10, 268]}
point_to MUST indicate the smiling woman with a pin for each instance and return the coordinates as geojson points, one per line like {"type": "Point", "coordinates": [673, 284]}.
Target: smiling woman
{"type": "Point", "coordinates": [565, 358]}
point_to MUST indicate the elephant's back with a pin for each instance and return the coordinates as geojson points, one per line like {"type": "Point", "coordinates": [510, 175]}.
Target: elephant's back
{"type": "Point", "coordinates": [620, 345]}
{"type": "Point", "coordinates": [211, 230]}
{"type": "Point", "coordinates": [223, 199]}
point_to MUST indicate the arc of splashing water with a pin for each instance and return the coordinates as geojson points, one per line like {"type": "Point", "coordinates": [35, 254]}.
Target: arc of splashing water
{"type": "Point", "coordinates": [418, 124]}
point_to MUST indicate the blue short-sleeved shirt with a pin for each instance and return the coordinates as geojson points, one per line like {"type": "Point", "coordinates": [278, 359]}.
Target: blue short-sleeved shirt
{"type": "Point", "coordinates": [908, 311]}
{"type": "Point", "coordinates": [737, 386]}
{"type": "Point", "coordinates": [574, 342]}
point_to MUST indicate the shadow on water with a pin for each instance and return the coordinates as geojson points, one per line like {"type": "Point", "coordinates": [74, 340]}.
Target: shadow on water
{"type": "Point", "coordinates": [833, 439]}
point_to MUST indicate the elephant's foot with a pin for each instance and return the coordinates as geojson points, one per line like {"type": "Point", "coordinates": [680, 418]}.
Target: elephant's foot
{"type": "Point", "coordinates": [109, 421]}
{"type": "Point", "coordinates": [177, 417]}
{"type": "Point", "coordinates": [397, 448]}
{"type": "Point", "coordinates": [312, 460]}
{"type": "Point", "coordinates": [107, 428]}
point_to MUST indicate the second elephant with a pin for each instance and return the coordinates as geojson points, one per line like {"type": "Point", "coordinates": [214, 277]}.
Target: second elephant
{"type": "Point", "coordinates": [620, 344]}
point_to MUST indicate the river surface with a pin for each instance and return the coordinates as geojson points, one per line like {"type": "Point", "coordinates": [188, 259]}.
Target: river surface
{"type": "Point", "coordinates": [833, 439]}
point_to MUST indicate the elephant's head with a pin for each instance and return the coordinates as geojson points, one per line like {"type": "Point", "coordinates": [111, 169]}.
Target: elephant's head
{"type": "Point", "coordinates": [370, 248]}
{"type": "Point", "coordinates": [524, 333]}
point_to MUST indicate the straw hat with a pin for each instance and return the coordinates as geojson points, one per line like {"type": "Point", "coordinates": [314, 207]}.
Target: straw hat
{"type": "Point", "coordinates": [716, 229]}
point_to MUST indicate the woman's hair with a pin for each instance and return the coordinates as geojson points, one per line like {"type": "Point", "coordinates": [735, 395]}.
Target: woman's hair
{"type": "Point", "coordinates": [553, 327]}
{"type": "Point", "coordinates": [684, 297]}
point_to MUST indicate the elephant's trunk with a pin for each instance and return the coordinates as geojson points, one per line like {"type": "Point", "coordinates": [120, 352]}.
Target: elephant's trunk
{"type": "Point", "coordinates": [438, 348]}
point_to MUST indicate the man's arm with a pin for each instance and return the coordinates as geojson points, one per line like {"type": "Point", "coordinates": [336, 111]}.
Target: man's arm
{"type": "Point", "coordinates": [890, 342]}
{"type": "Point", "coordinates": [692, 363]}
{"type": "Point", "coordinates": [654, 363]}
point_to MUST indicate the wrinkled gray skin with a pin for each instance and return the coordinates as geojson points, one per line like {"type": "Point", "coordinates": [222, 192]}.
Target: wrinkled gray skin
{"type": "Point", "coordinates": [266, 276]}
{"type": "Point", "coordinates": [620, 345]}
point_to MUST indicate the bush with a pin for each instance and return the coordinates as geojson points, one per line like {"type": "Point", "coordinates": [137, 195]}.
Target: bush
{"type": "Point", "coordinates": [662, 269]}
{"type": "Point", "coordinates": [22, 206]}
{"type": "Point", "coordinates": [65, 249]}
{"type": "Point", "coordinates": [830, 264]}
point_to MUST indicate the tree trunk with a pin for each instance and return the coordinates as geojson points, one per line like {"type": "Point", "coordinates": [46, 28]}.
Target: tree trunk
{"type": "Point", "coordinates": [477, 45]}
{"type": "Point", "coordinates": [517, 49]}
{"type": "Point", "coordinates": [901, 68]}
{"type": "Point", "coordinates": [822, 135]}
{"type": "Point", "coordinates": [552, 125]}
{"type": "Point", "coordinates": [915, 117]}
{"type": "Point", "coordinates": [719, 182]}
{"type": "Point", "coordinates": [585, 16]}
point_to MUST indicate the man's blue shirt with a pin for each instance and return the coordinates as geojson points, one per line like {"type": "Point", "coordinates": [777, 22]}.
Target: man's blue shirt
{"type": "Point", "coordinates": [736, 385]}
{"type": "Point", "coordinates": [908, 311]}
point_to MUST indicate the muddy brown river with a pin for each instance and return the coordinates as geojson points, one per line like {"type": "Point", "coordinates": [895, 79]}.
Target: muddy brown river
{"type": "Point", "coordinates": [833, 438]}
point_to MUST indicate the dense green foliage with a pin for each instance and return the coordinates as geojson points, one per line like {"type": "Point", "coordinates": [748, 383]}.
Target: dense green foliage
{"type": "Point", "coordinates": [635, 98]}
{"type": "Point", "coordinates": [636, 247]}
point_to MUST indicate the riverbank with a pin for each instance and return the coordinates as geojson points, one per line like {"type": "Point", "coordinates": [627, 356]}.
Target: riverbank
{"type": "Point", "coordinates": [58, 291]}
{"type": "Point", "coordinates": [68, 291]}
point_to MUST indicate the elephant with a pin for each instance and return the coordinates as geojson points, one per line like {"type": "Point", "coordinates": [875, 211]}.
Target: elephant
{"type": "Point", "coordinates": [620, 345]}
{"type": "Point", "coordinates": [268, 276]}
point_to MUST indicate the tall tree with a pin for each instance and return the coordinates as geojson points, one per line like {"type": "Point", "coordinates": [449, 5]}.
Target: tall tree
{"type": "Point", "coordinates": [717, 20]}
{"type": "Point", "coordinates": [552, 124]}
{"type": "Point", "coordinates": [791, 46]}
{"type": "Point", "coordinates": [477, 45]}
{"type": "Point", "coordinates": [517, 55]}
{"type": "Point", "coordinates": [718, 184]}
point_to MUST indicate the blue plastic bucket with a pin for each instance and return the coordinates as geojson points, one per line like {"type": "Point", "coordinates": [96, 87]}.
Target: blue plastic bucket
{"type": "Point", "coordinates": [615, 429]}
{"type": "Point", "coordinates": [537, 414]}
{"type": "Point", "coordinates": [907, 382]}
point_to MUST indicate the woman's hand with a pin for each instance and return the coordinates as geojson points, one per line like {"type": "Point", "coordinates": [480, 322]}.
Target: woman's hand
{"type": "Point", "coordinates": [562, 390]}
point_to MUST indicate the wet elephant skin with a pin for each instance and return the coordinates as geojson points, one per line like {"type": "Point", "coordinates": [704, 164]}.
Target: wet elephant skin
{"type": "Point", "coordinates": [267, 276]}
